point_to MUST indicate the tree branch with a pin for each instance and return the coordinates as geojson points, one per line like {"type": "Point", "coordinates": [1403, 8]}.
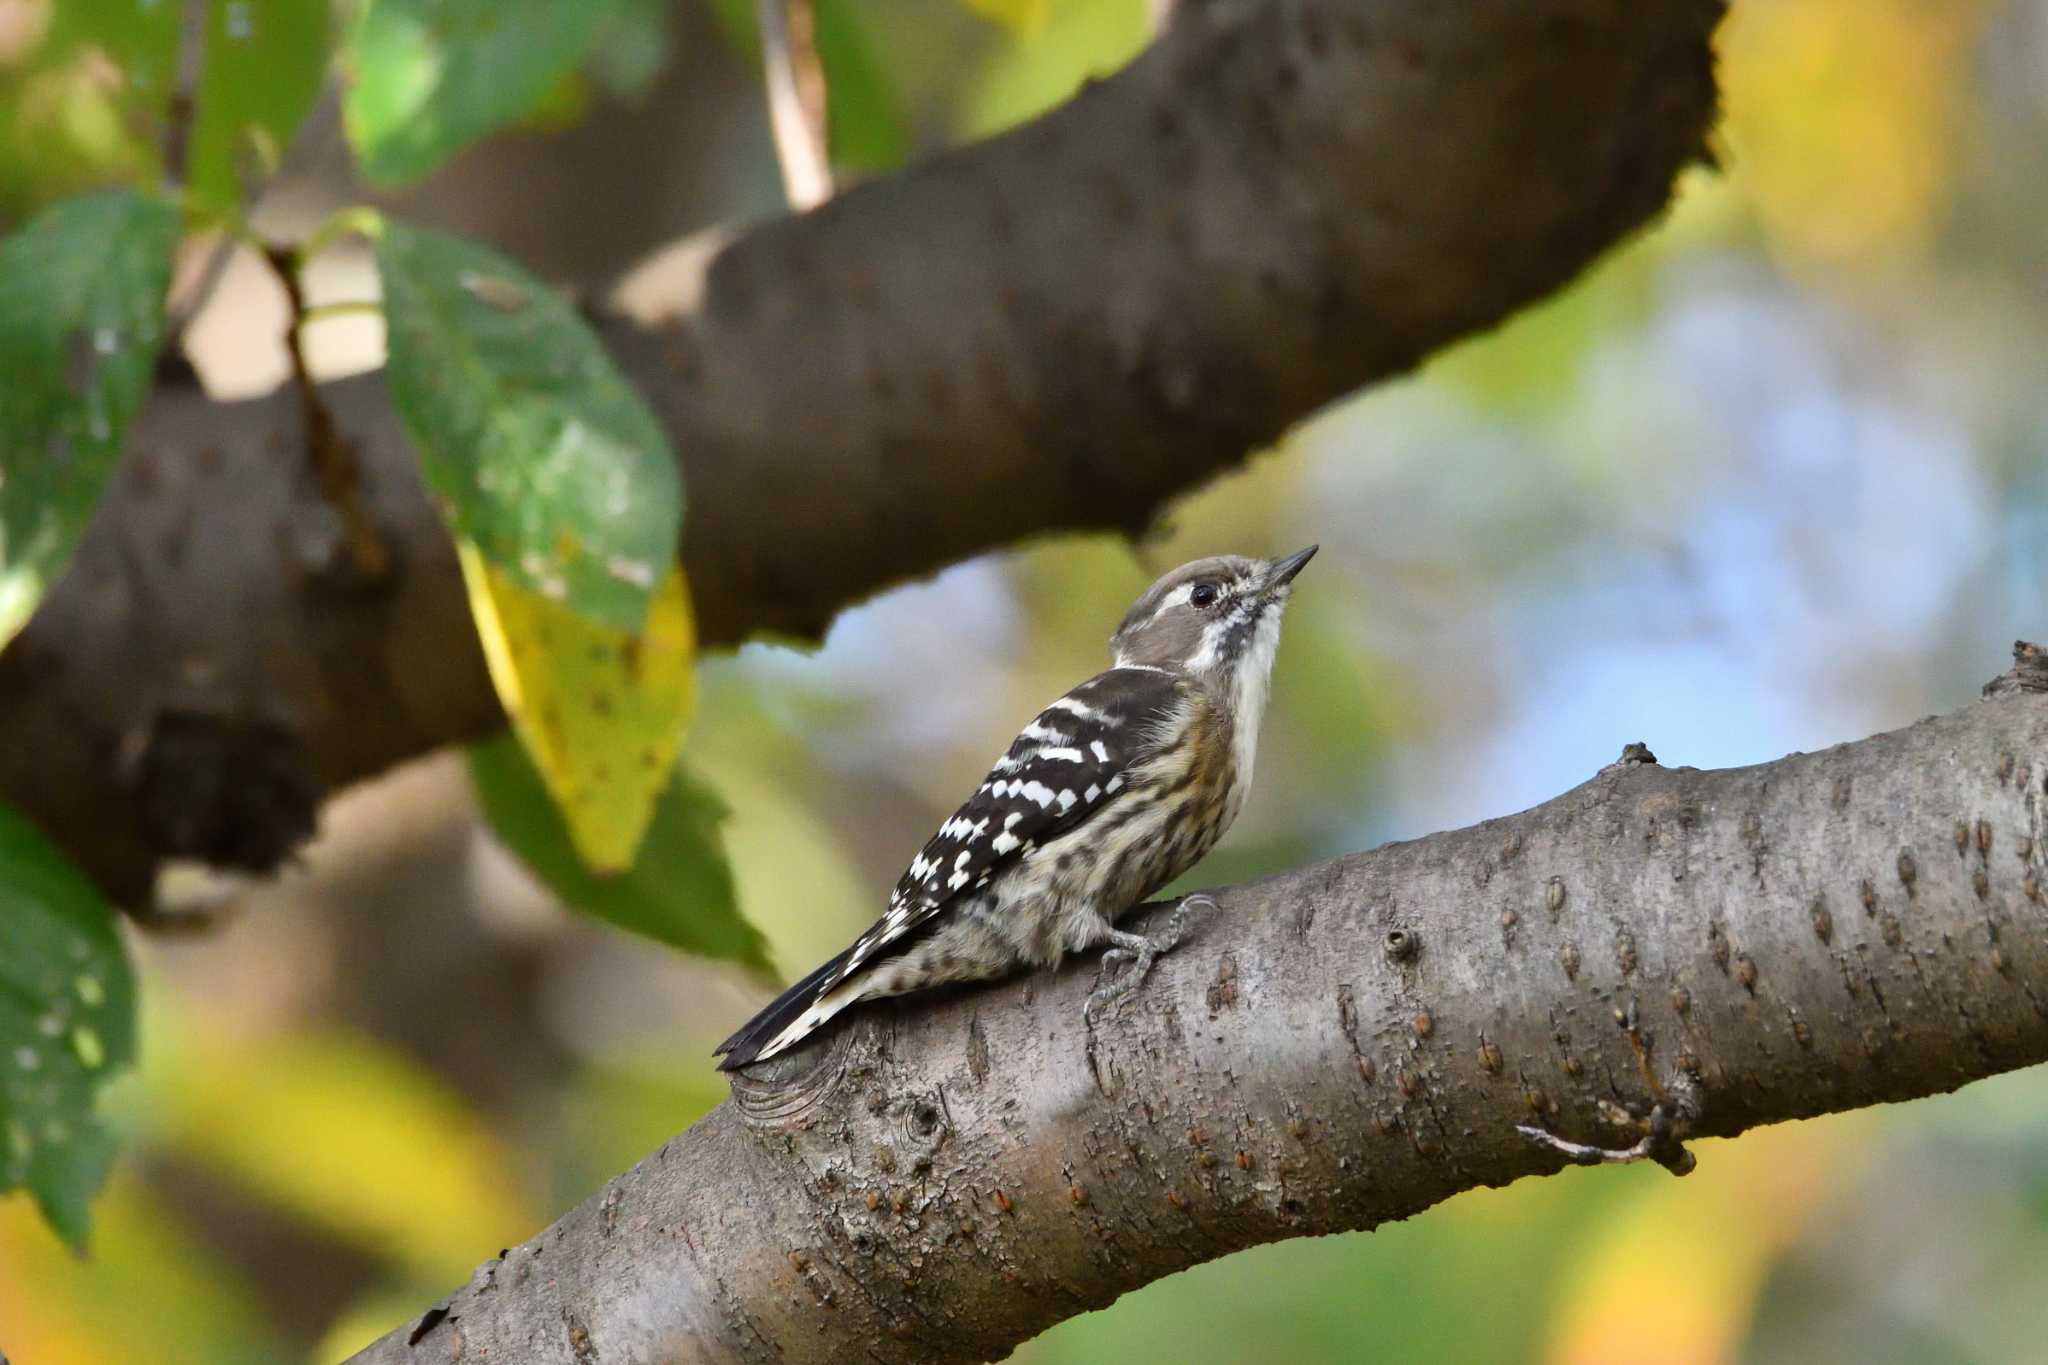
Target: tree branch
{"type": "Point", "coordinates": [795, 81]}
{"type": "Point", "coordinates": [1344, 1044]}
{"type": "Point", "coordinates": [1061, 328]}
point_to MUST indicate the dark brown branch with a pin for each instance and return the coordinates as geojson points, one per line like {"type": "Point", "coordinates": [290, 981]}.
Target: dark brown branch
{"type": "Point", "coordinates": [1059, 329]}
{"type": "Point", "coordinates": [1656, 954]}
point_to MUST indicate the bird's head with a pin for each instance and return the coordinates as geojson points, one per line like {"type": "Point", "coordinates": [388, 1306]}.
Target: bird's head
{"type": "Point", "coordinates": [1212, 619]}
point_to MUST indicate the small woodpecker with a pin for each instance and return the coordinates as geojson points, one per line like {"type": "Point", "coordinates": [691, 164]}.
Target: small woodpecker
{"type": "Point", "coordinates": [1112, 792]}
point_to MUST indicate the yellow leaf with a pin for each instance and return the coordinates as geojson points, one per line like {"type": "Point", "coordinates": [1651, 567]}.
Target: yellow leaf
{"type": "Point", "coordinates": [601, 710]}
{"type": "Point", "coordinates": [353, 1137]}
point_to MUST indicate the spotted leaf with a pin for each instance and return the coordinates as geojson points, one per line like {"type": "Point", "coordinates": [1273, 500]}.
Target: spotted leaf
{"type": "Point", "coordinates": [67, 1024]}
{"type": "Point", "coordinates": [542, 455]}
{"type": "Point", "coordinates": [601, 709]}
{"type": "Point", "coordinates": [81, 316]}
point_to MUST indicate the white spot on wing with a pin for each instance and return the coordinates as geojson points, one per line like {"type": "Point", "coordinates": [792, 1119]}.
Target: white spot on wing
{"type": "Point", "coordinates": [1101, 754]}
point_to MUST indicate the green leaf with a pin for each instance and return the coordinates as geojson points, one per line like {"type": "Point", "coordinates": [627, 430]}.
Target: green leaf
{"type": "Point", "coordinates": [544, 455]}
{"type": "Point", "coordinates": [94, 95]}
{"type": "Point", "coordinates": [633, 48]}
{"type": "Point", "coordinates": [432, 76]}
{"type": "Point", "coordinates": [864, 119]}
{"type": "Point", "coordinates": [81, 316]}
{"type": "Point", "coordinates": [265, 63]}
{"type": "Point", "coordinates": [67, 1024]}
{"type": "Point", "coordinates": [680, 890]}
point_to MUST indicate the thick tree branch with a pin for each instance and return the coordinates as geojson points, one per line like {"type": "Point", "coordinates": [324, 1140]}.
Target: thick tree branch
{"type": "Point", "coordinates": [1061, 328]}
{"type": "Point", "coordinates": [1342, 1045]}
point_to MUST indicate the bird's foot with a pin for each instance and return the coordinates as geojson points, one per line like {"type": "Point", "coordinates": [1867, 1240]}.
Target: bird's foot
{"type": "Point", "coordinates": [1141, 952]}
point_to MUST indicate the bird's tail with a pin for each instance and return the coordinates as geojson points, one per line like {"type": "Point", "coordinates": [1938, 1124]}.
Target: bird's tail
{"type": "Point", "coordinates": [790, 1017]}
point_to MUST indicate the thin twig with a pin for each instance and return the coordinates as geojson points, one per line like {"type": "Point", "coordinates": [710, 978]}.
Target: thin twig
{"type": "Point", "coordinates": [796, 99]}
{"type": "Point", "coordinates": [332, 458]}
{"type": "Point", "coordinates": [184, 108]}
{"type": "Point", "coordinates": [1651, 1148]}
{"type": "Point", "coordinates": [1670, 1119]}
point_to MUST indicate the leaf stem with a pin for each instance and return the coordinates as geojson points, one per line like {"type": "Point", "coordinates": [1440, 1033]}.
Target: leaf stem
{"type": "Point", "coordinates": [340, 308]}
{"type": "Point", "coordinates": [358, 220]}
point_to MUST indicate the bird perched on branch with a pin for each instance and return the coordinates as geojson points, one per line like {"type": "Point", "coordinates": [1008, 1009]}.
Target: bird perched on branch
{"type": "Point", "coordinates": [1112, 792]}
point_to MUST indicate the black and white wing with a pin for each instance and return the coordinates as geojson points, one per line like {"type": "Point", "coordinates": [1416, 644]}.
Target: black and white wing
{"type": "Point", "coordinates": [1063, 768]}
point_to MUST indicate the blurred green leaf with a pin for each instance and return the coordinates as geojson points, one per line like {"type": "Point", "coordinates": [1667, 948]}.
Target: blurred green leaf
{"type": "Point", "coordinates": [680, 890]}
{"type": "Point", "coordinates": [91, 100]}
{"type": "Point", "coordinates": [1394, 1294]}
{"type": "Point", "coordinates": [265, 62]}
{"type": "Point", "coordinates": [612, 1115]}
{"type": "Point", "coordinates": [864, 120]}
{"type": "Point", "coordinates": [631, 51]}
{"type": "Point", "coordinates": [81, 314]}
{"type": "Point", "coordinates": [546, 457]}
{"type": "Point", "coordinates": [141, 38]}
{"type": "Point", "coordinates": [429, 77]}
{"type": "Point", "coordinates": [90, 105]}
{"type": "Point", "coordinates": [1531, 364]}
{"type": "Point", "coordinates": [67, 1024]}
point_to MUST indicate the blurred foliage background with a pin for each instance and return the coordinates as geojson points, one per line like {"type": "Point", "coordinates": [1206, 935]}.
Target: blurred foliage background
{"type": "Point", "coordinates": [1770, 478]}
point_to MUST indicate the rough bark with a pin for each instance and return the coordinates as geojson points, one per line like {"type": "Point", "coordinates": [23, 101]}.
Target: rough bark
{"type": "Point", "coordinates": [1061, 328]}
{"type": "Point", "coordinates": [1341, 1045]}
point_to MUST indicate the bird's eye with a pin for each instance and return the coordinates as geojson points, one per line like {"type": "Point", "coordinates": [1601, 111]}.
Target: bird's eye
{"type": "Point", "coordinates": [1204, 595]}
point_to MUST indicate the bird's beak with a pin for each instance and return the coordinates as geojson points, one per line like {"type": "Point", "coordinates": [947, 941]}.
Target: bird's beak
{"type": "Point", "coordinates": [1284, 570]}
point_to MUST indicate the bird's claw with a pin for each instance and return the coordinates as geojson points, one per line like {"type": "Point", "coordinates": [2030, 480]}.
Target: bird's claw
{"type": "Point", "coordinates": [1141, 952]}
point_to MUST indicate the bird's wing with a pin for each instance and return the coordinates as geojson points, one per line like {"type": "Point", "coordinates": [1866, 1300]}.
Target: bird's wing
{"type": "Point", "coordinates": [1066, 767]}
